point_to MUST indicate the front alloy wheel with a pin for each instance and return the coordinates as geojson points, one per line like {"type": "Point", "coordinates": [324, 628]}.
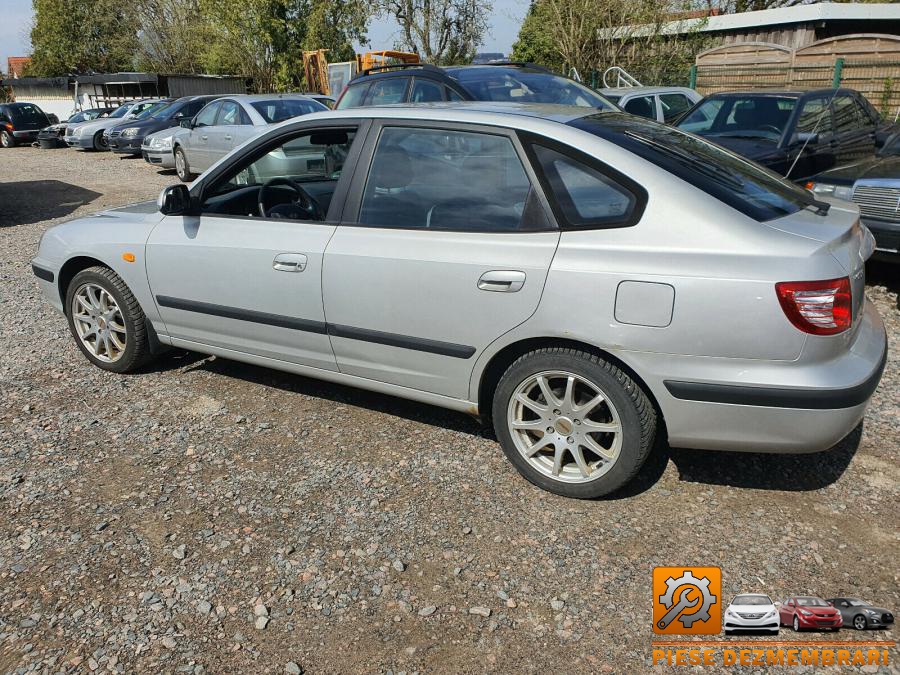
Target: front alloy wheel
{"type": "Point", "coordinates": [796, 624]}
{"type": "Point", "coordinates": [859, 622]}
{"type": "Point", "coordinates": [99, 323]}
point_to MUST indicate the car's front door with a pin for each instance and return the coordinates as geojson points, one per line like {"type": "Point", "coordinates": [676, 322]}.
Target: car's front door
{"type": "Point", "coordinates": [232, 128]}
{"type": "Point", "coordinates": [854, 131]}
{"type": "Point", "coordinates": [250, 283]}
{"type": "Point", "coordinates": [811, 146]}
{"type": "Point", "coordinates": [198, 141]}
{"type": "Point", "coordinates": [443, 248]}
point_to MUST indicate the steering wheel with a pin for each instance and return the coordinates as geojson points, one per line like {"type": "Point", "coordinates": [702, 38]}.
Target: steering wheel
{"type": "Point", "coordinates": [770, 127]}
{"type": "Point", "coordinates": [307, 208]}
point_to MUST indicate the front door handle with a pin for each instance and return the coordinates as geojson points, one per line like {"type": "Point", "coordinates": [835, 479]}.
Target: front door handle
{"type": "Point", "coordinates": [228, 138]}
{"type": "Point", "coordinates": [203, 138]}
{"type": "Point", "coordinates": [289, 262]}
{"type": "Point", "coordinates": [502, 281]}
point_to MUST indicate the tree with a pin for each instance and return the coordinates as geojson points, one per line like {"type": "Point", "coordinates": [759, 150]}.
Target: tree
{"type": "Point", "coordinates": [534, 44]}
{"type": "Point", "coordinates": [82, 35]}
{"type": "Point", "coordinates": [335, 25]}
{"type": "Point", "coordinates": [442, 32]}
{"type": "Point", "coordinates": [174, 36]}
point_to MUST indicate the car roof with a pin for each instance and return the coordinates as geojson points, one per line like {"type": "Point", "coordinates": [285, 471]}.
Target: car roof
{"type": "Point", "coordinates": [643, 89]}
{"type": "Point", "coordinates": [446, 110]}
{"type": "Point", "coordinates": [442, 72]}
{"type": "Point", "coordinates": [793, 93]}
{"type": "Point", "coordinates": [251, 98]}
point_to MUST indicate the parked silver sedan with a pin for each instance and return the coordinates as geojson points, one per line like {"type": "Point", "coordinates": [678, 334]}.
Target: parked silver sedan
{"type": "Point", "coordinates": [583, 279]}
{"type": "Point", "coordinates": [90, 135]}
{"type": "Point", "coordinates": [226, 123]}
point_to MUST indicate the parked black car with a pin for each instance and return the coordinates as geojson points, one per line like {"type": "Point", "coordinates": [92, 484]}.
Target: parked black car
{"type": "Point", "coordinates": [874, 185]}
{"type": "Point", "coordinates": [56, 132]}
{"type": "Point", "coordinates": [795, 134]}
{"type": "Point", "coordinates": [21, 123]}
{"type": "Point", "coordinates": [126, 138]}
{"type": "Point", "coordinates": [424, 83]}
{"type": "Point", "coordinates": [861, 615]}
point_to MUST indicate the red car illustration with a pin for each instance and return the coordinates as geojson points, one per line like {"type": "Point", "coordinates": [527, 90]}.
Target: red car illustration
{"type": "Point", "coordinates": [806, 611]}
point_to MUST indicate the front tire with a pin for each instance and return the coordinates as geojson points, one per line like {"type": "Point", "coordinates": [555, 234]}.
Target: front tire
{"type": "Point", "coordinates": [572, 423]}
{"type": "Point", "coordinates": [7, 140]}
{"type": "Point", "coordinates": [859, 622]}
{"type": "Point", "coordinates": [106, 321]}
{"type": "Point", "coordinates": [182, 168]}
{"type": "Point", "coordinates": [100, 143]}
{"type": "Point", "coordinates": [796, 624]}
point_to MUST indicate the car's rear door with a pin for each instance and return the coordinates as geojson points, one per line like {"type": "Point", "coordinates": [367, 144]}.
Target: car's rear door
{"type": "Point", "coordinates": [443, 247]}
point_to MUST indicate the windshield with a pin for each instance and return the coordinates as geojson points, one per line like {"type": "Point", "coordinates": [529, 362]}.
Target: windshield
{"type": "Point", "coordinates": [121, 110]}
{"type": "Point", "coordinates": [157, 110]}
{"type": "Point", "coordinates": [752, 600]}
{"type": "Point", "coordinates": [857, 603]}
{"type": "Point", "coordinates": [613, 97]}
{"type": "Point", "coordinates": [27, 113]}
{"type": "Point", "coordinates": [522, 86]}
{"type": "Point", "coordinates": [280, 109]}
{"type": "Point", "coordinates": [762, 117]}
{"type": "Point", "coordinates": [891, 147]}
{"type": "Point", "coordinates": [745, 186]}
{"type": "Point", "coordinates": [811, 602]}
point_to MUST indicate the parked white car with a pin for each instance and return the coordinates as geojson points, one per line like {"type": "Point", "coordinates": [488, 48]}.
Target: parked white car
{"type": "Point", "coordinates": [156, 149]}
{"type": "Point", "coordinates": [663, 104]}
{"type": "Point", "coordinates": [226, 123]}
{"type": "Point", "coordinates": [751, 611]}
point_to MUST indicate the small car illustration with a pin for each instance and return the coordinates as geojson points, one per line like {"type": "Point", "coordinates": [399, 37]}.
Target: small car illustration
{"type": "Point", "coordinates": [861, 615]}
{"type": "Point", "coordinates": [751, 611]}
{"type": "Point", "coordinates": [807, 611]}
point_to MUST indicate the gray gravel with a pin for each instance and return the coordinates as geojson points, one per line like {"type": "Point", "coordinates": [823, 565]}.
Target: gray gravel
{"type": "Point", "coordinates": [207, 516]}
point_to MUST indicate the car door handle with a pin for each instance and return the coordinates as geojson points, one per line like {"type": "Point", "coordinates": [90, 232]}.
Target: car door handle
{"type": "Point", "coordinates": [289, 262]}
{"type": "Point", "coordinates": [203, 138]}
{"type": "Point", "coordinates": [502, 281]}
{"type": "Point", "coordinates": [228, 137]}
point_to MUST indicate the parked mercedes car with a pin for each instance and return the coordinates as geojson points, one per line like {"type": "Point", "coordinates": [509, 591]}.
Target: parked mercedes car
{"type": "Point", "coordinates": [809, 612]}
{"type": "Point", "coordinates": [90, 135]}
{"type": "Point", "coordinates": [862, 615]}
{"type": "Point", "coordinates": [663, 104]}
{"type": "Point", "coordinates": [227, 122]}
{"type": "Point", "coordinates": [425, 83]}
{"type": "Point", "coordinates": [795, 134]}
{"type": "Point", "coordinates": [873, 184]}
{"type": "Point", "coordinates": [56, 132]}
{"type": "Point", "coordinates": [519, 263]}
{"type": "Point", "coordinates": [127, 138]}
{"type": "Point", "coordinates": [751, 611]}
{"type": "Point", "coordinates": [21, 123]}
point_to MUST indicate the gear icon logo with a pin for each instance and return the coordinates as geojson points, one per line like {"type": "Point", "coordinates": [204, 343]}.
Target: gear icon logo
{"type": "Point", "coordinates": [687, 600]}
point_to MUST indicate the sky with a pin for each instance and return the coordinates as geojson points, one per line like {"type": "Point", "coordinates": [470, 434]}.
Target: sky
{"type": "Point", "coordinates": [505, 19]}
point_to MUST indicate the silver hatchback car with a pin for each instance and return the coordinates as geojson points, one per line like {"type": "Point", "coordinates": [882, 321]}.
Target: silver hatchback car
{"type": "Point", "coordinates": [581, 278]}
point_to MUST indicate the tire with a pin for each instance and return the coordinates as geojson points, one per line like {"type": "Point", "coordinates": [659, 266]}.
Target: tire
{"type": "Point", "coordinates": [100, 143]}
{"type": "Point", "coordinates": [182, 168]}
{"type": "Point", "coordinates": [572, 433]}
{"type": "Point", "coordinates": [860, 622]}
{"type": "Point", "coordinates": [136, 350]}
{"type": "Point", "coordinates": [7, 140]}
{"type": "Point", "coordinates": [796, 624]}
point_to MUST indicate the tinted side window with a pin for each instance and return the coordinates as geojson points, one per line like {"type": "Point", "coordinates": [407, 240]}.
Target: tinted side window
{"type": "Point", "coordinates": [386, 91]}
{"type": "Point", "coordinates": [192, 108]}
{"type": "Point", "coordinates": [207, 116]}
{"type": "Point", "coordinates": [585, 196]}
{"type": "Point", "coordinates": [354, 96]}
{"type": "Point", "coordinates": [848, 114]}
{"type": "Point", "coordinates": [425, 91]}
{"type": "Point", "coordinates": [448, 180]}
{"type": "Point", "coordinates": [452, 95]}
{"type": "Point", "coordinates": [673, 105]}
{"type": "Point", "coordinates": [815, 117]}
{"type": "Point", "coordinates": [643, 106]}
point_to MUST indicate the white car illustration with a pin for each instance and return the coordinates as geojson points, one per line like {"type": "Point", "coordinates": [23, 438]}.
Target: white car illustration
{"type": "Point", "coordinates": [751, 611]}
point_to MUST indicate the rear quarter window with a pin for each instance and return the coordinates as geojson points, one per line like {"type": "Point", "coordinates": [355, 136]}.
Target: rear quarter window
{"type": "Point", "coordinates": [354, 96]}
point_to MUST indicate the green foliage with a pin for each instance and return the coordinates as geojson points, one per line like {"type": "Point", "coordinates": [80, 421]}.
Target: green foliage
{"type": "Point", "coordinates": [82, 35]}
{"type": "Point", "coordinates": [535, 45]}
{"type": "Point", "coordinates": [335, 24]}
{"type": "Point", "coordinates": [443, 32]}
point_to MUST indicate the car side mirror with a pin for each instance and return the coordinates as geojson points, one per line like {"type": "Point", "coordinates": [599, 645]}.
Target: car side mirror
{"type": "Point", "coordinates": [805, 137]}
{"type": "Point", "coordinates": [186, 123]}
{"type": "Point", "coordinates": [174, 200]}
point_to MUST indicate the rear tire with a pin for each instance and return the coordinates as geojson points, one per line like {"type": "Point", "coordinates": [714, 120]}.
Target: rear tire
{"type": "Point", "coordinates": [182, 168]}
{"type": "Point", "coordinates": [586, 442]}
{"type": "Point", "coordinates": [7, 140]}
{"type": "Point", "coordinates": [99, 327]}
{"type": "Point", "coordinates": [100, 143]}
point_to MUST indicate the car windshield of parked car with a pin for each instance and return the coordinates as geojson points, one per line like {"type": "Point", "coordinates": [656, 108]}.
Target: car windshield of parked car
{"type": "Point", "coordinates": [891, 147]}
{"type": "Point", "coordinates": [752, 600]}
{"type": "Point", "coordinates": [158, 110]}
{"type": "Point", "coordinates": [745, 186]}
{"type": "Point", "coordinates": [855, 602]}
{"type": "Point", "coordinates": [811, 602]}
{"type": "Point", "coordinates": [121, 111]}
{"type": "Point", "coordinates": [518, 86]}
{"type": "Point", "coordinates": [761, 117]}
{"type": "Point", "coordinates": [280, 109]}
{"type": "Point", "coordinates": [25, 113]}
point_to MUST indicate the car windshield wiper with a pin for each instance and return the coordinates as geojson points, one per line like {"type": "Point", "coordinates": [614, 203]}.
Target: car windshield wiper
{"type": "Point", "coordinates": [710, 170]}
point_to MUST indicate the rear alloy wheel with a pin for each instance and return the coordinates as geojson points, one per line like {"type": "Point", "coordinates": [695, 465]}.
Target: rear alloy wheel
{"type": "Point", "coordinates": [859, 622]}
{"type": "Point", "coordinates": [106, 320]}
{"type": "Point", "coordinates": [7, 140]}
{"type": "Point", "coordinates": [573, 423]}
{"type": "Point", "coordinates": [100, 142]}
{"type": "Point", "coordinates": [182, 168]}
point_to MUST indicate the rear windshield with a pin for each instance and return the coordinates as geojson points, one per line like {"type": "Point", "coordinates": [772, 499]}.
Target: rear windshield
{"type": "Point", "coordinates": [522, 86]}
{"type": "Point", "coordinates": [746, 187]}
{"type": "Point", "coordinates": [25, 113]}
{"type": "Point", "coordinates": [280, 109]}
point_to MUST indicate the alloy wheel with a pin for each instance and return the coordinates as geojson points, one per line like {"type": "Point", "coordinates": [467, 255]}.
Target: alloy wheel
{"type": "Point", "coordinates": [859, 622]}
{"type": "Point", "coordinates": [565, 426]}
{"type": "Point", "coordinates": [99, 323]}
{"type": "Point", "coordinates": [796, 624]}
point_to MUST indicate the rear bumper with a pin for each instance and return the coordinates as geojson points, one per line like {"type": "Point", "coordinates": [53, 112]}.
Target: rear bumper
{"type": "Point", "coordinates": [26, 135]}
{"type": "Point", "coordinates": [767, 406]}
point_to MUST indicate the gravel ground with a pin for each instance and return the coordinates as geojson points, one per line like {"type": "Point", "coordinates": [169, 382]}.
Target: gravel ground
{"type": "Point", "coordinates": [207, 516]}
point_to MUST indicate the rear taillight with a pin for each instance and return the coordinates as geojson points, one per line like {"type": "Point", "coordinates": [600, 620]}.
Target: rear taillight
{"type": "Point", "coordinates": [817, 307]}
